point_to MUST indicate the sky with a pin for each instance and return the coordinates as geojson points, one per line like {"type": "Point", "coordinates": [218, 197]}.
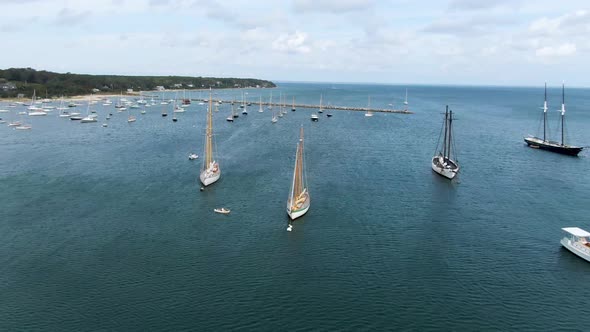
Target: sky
{"type": "Point", "coordinates": [462, 42]}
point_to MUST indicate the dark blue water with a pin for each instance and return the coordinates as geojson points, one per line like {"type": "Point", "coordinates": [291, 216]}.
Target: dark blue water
{"type": "Point", "coordinates": [105, 228]}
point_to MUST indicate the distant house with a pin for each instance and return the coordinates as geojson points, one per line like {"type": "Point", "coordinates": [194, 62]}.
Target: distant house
{"type": "Point", "coordinates": [95, 90]}
{"type": "Point", "coordinates": [7, 86]}
{"type": "Point", "coordinates": [20, 95]}
{"type": "Point", "coordinates": [129, 90]}
{"type": "Point", "coordinates": [191, 85]}
{"type": "Point", "coordinates": [178, 85]}
{"type": "Point", "coordinates": [160, 88]}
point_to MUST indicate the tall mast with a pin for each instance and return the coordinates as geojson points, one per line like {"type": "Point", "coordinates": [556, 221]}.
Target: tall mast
{"type": "Point", "coordinates": [545, 114]}
{"type": "Point", "coordinates": [562, 109]}
{"type": "Point", "coordinates": [450, 130]}
{"type": "Point", "coordinates": [208, 135]}
{"type": "Point", "coordinates": [445, 137]}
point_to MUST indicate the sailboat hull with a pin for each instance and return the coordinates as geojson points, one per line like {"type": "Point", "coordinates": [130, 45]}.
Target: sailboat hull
{"type": "Point", "coordinates": [296, 213]}
{"type": "Point", "coordinates": [449, 171]}
{"type": "Point", "coordinates": [538, 143]}
{"type": "Point", "coordinates": [208, 178]}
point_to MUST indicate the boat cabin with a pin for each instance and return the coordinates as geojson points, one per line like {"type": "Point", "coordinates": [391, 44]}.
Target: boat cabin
{"type": "Point", "coordinates": [577, 241]}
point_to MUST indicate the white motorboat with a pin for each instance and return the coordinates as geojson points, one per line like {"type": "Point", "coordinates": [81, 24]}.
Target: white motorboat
{"type": "Point", "coordinates": [193, 156]}
{"type": "Point", "coordinates": [314, 117]}
{"type": "Point", "coordinates": [23, 127]}
{"type": "Point", "coordinates": [577, 241]}
{"type": "Point", "coordinates": [222, 210]}
{"type": "Point", "coordinates": [37, 113]}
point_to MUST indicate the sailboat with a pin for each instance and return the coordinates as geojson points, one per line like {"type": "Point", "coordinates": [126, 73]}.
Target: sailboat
{"type": "Point", "coordinates": [274, 116]}
{"type": "Point", "coordinates": [406, 101]}
{"type": "Point", "coordinates": [270, 101]}
{"type": "Point", "coordinates": [130, 118]}
{"type": "Point", "coordinates": [210, 172]}
{"type": "Point", "coordinates": [369, 113]}
{"type": "Point", "coordinates": [299, 201]}
{"type": "Point", "coordinates": [545, 144]}
{"type": "Point", "coordinates": [443, 163]}
{"type": "Point", "coordinates": [230, 118]}
{"type": "Point", "coordinates": [280, 115]}
{"type": "Point", "coordinates": [293, 107]}
{"type": "Point", "coordinates": [321, 110]}
{"type": "Point", "coordinates": [88, 118]}
{"type": "Point", "coordinates": [260, 109]}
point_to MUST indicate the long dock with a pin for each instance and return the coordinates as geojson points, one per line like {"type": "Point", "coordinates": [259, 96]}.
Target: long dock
{"type": "Point", "coordinates": [325, 107]}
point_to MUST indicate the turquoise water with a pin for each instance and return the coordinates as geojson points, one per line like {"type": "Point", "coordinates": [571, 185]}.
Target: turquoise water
{"type": "Point", "coordinates": [106, 229]}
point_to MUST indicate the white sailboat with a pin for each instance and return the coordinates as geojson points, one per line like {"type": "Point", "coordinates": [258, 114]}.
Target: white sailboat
{"type": "Point", "coordinates": [88, 118]}
{"type": "Point", "coordinates": [369, 113]}
{"type": "Point", "coordinates": [270, 101]}
{"type": "Point", "coordinates": [244, 111]}
{"type": "Point", "coordinates": [443, 162]}
{"type": "Point", "coordinates": [406, 101]}
{"type": "Point", "coordinates": [260, 109]}
{"type": "Point", "coordinates": [130, 118]}
{"type": "Point", "coordinates": [299, 201]}
{"type": "Point", "coordinates": [210, 171]}
{"type": "Point", "coordinates": [321, 110]}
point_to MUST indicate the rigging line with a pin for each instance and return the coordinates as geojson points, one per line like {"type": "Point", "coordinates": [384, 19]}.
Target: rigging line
{"type": "Point", "coordinates": [438, 141]}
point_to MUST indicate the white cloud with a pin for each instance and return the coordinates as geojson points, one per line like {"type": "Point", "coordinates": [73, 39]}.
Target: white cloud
{"type": "Point", "coordinates": [332, 6]}
{"type": "Point", "coordinates": [566, 49]}
{"type": "Point", "coordinates": [292, 43]}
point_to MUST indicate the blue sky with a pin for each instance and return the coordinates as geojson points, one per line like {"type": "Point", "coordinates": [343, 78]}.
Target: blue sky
{"type": "Point", "coordinates": [493, 42]}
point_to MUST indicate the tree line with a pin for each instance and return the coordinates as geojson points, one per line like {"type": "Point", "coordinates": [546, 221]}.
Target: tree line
{"type": "Point", "coordinates": [51, 84]}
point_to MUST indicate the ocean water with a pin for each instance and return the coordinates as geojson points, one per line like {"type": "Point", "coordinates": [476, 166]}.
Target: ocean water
{"type": "Point", "coordinates": [106, 229]}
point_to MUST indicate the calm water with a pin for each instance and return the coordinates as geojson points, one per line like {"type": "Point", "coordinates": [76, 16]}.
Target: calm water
{"type": "Point", "coordinates": [105, 228]}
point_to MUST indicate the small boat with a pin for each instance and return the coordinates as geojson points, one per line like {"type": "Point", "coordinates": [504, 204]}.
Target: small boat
{"type": "Point", "coordinates": [192, 156]}
{"type": "Point", "coordinates": [38, 112]}
{"type": "Point", "coordinates": [76, 117]}
{"type": "Point", "coordinates": [174, 119]}
{"type": "Point", "coordinates": [289, 228]}
{"type": "Point", "coordinates": [222, 210]}
{"type": "Point", "coordinates": [23, 127]}
{"type": "Point", "coordinates": [577, 241]}
{"type": "Point", "coordinates": [131, 118]}
{"type": "Point", "coordinates": [443, 163]}
{"type": "Point", "coordinates": [260, 109]}
{"type": "Point", "coordinates": [329, 115]}
{"type": "Point", "coordinates": [314, 117]}
{"type": "Point", "coordinates": [105, 125]}
{"type": "Point", "coordinates": [293, 107]}
{"type": "Point", "coordinates": [321, 110]}
{"type": "Point", "coordinates": [230, 119]}
{"type": "Point", "coordinates": [14, 124]}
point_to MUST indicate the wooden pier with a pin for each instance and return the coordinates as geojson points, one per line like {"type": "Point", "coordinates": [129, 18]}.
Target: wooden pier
{"type": "Point", "coordinates": [324, 107]}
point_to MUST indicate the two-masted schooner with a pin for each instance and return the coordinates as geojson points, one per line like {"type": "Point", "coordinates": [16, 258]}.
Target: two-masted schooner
{"type": "Point", "coordinates": [544, 143]}
{"type": "Point", "coordinates": [443, 162]}
{"type": "Point", "coordinates": [299, 201]}
{"type": "Point", "coordinates": [210, 171]}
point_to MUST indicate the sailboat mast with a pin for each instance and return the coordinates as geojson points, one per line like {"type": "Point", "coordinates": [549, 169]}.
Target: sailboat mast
{"type": "Point", "coordinates": [450, 130]}
{"type": "Point", "coordinates": [209, 145]}
{"type": "Point", "coordinates": [562, 110]}
{"type": "Point", "coordinates": [545, 114]}
{"type": "Point", "coordinates": [445, 137]}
